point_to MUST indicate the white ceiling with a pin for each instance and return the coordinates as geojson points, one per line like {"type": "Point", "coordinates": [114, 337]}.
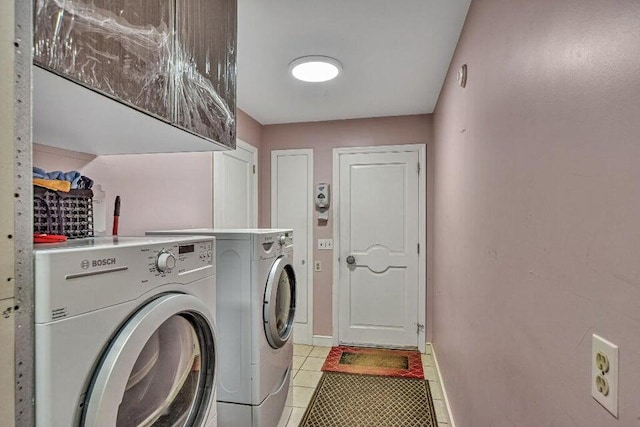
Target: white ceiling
{"type": "Point", "coordinates": [395, 54]}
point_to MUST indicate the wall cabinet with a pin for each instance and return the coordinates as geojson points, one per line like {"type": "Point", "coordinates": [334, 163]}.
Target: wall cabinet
{"type": "Point", "coordinates": [174, 60]}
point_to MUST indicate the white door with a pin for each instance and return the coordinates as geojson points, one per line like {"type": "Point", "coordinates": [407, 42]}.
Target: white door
{"type": "Point", "coordinates": [235, 182]}
{"type": "Point", "coordinates": [292, 207]}
{"type": "Point", "coordinates": [380, 212]}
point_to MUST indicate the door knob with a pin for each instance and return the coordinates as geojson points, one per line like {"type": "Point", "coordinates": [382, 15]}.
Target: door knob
{"type": "Point", "coordinates": [351, 260]}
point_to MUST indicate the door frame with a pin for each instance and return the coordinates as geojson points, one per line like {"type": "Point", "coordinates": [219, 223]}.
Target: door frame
{"type": "Point", "coordinates": [217, 155]}
{"type": "Point", "coordinates": [421, 149]}
{"type": "Point", "coordinates": [304, 336]}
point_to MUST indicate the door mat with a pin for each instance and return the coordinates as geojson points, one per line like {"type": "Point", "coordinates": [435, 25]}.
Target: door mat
{"type": "Point", "coordinates": [374, 361]}
{"type": "Point", "coordinates": [366, 400]}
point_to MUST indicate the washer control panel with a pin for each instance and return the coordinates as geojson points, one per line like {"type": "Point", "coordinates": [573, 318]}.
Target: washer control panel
{"type": "Point", "coordinates": [285, 239]}
{"type": "Point", "coordinates": [165, 261]}
{"type": "Point", "coordinates": [182, 259]}
{"type": "Point", "coordinates": [90, 274]}
{"type": "Point", "coordinates": [273, 244]}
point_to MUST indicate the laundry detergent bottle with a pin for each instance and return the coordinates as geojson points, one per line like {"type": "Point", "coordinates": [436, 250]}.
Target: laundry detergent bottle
{"type": "Point", "coordinates": [99, 212]}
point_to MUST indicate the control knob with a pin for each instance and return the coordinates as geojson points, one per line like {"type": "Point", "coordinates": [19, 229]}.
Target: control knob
{"type": "Point", "coordinates": [282, 239]}
{"type": "Point", "coordinates": [165, 262]}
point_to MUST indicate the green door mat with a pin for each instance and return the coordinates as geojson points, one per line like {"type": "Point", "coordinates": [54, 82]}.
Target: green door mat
{"type": "Point", "coordinates": [365, 400]}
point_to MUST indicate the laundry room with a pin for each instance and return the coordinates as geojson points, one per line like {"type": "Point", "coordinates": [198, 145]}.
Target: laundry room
{"type": "Point", "coordinates": [297, 213]}
{"type": "Point", "coordinates": [154, 189]}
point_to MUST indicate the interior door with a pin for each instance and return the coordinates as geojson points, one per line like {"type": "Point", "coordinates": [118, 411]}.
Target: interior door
{"type": "Point", "coordinates": [291, 207]}
{"type": "Point", "coordinates": [378, 290]}
{"type": "Point", "coordinates": [235, 184]}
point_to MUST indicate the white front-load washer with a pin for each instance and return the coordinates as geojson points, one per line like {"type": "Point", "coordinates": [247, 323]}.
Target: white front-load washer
{"type": "Point", "coordinates": [125, 332]}
{"type": "Point", "coordinates": [256, 300]}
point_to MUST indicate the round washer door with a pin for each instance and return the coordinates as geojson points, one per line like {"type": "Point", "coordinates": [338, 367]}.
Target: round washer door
{"type": "Point", "coordinates": [160, 369]}
{"type": "Point", "coordinates": [279, 302]}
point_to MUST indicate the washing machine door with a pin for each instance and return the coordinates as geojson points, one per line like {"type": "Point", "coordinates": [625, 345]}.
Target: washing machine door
{"type": "Point", "coordinates": [160, 369]}
{"type": "Point", "coordinates": [279, 302]}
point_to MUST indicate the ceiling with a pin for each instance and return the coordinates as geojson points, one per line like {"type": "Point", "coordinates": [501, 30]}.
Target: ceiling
{"type": "Point", "coordinates": [395, 55]}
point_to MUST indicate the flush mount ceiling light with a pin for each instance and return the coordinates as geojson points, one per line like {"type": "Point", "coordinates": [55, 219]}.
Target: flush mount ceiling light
{"type": "Point", "coordinates": [315, 69]}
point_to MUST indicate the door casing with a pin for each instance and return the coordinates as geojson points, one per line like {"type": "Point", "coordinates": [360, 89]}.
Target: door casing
{"type": "Point", "coordinates": [422, 230]}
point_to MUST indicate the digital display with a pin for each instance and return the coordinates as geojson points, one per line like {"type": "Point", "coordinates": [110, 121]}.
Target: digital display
{"type": "Point", "coordinates": [187, 249]}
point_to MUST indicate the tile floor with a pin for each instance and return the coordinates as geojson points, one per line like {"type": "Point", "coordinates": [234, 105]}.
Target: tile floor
{"type": "Point", "coordinates": [307, 365]}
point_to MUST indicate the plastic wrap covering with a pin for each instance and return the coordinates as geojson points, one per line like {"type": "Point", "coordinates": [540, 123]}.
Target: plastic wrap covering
{"type": "Point", "coordinates": [123, 48]}
{"type": "Point", "coordinates": [206, 68]}
{"type": "Point", "coordinates": [175, 59]}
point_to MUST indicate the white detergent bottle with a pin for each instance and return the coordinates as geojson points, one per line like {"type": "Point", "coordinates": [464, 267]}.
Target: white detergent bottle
{"type": "Point", "coordinates": [99, 212]}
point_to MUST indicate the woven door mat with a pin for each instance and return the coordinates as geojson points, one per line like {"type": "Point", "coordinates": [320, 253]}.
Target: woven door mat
{"type": "Point", "coordinates": [374, 361]}
{"type": "Point", "coordinates": [367, 400]}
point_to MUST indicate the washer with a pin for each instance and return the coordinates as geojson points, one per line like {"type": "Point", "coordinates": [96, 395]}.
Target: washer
{"type": "Point", "coordinates": [125, 332]}
{"type": "Point", "coordinates": [256, 294]}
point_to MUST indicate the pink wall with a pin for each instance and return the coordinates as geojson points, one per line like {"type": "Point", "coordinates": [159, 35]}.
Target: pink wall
{"type": "Point", "coordinates": [537, 203]}
{"type": "Point", "coordinates": [157, 190]}
{"type": "Point", "coordinates": [248, 130]}
{"type": "Point", "coordinates": [323, 137]}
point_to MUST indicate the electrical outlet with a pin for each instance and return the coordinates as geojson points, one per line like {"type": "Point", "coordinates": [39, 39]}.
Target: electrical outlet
{"type": "Point", "coordinates": [604, 373]}
{"type": "Point", "coordinates": [318, 267]}
{"type": "Point", "coordinates": [602, 385]}
{"type": "Point", "coordinates": [602, 362]}
{"type": "Point", "coordinates": [325, 244]}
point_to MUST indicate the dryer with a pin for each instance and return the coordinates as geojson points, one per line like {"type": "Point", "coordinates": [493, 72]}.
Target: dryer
{"type": "Point", "coordinates": [256, 297]}
{"type": "Point", "coordinates": [125, 332]}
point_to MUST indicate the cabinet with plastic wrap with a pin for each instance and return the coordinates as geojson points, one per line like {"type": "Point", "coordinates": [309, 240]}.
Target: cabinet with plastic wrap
{"type": "Point", "coordinates": [206, 90]}
{"type": "Point", "coordinates": [172, 59]}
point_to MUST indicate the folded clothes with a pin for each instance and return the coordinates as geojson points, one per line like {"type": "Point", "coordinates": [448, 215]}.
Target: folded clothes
{"type": "Point", "coordinates": [39, 173]}
{"type": "Point", "coordinates": [53, 184]}
{"type": "Point", "coordinates": [72, 176]}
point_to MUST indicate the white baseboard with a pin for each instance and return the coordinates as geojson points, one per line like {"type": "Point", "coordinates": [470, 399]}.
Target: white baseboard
{"type": "Point", "coordinates": [302, 334]}
{"type": "Point", "coordinates": [323, 340]}
{"type": "Point", "coordinates": [452, 423]}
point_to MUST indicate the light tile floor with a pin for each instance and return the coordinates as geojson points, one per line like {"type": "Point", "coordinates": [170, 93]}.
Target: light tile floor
{"type": "Point", "coordinates": [307, 365]}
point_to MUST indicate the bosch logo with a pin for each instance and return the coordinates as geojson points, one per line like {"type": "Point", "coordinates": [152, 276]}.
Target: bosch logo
{"type": "Point", "coordinates": [102, 262]}
{"type": "Point", "coordinates": [84, 264]}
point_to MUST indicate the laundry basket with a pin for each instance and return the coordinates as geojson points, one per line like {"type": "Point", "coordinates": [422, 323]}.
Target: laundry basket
{"type": "Point", "coordinates": [57, 212]}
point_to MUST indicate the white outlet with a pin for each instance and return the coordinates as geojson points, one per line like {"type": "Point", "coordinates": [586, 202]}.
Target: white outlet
{"type": "Point", "coordinates": [318, 266]}
{"type": "Point", "coordinates": [325, 244]}
{"type": "Point", "coordinates": [604, 373]}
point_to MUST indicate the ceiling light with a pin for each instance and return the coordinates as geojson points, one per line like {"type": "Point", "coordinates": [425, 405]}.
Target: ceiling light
{"type": "Point", "coordinates": [315, 68]}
